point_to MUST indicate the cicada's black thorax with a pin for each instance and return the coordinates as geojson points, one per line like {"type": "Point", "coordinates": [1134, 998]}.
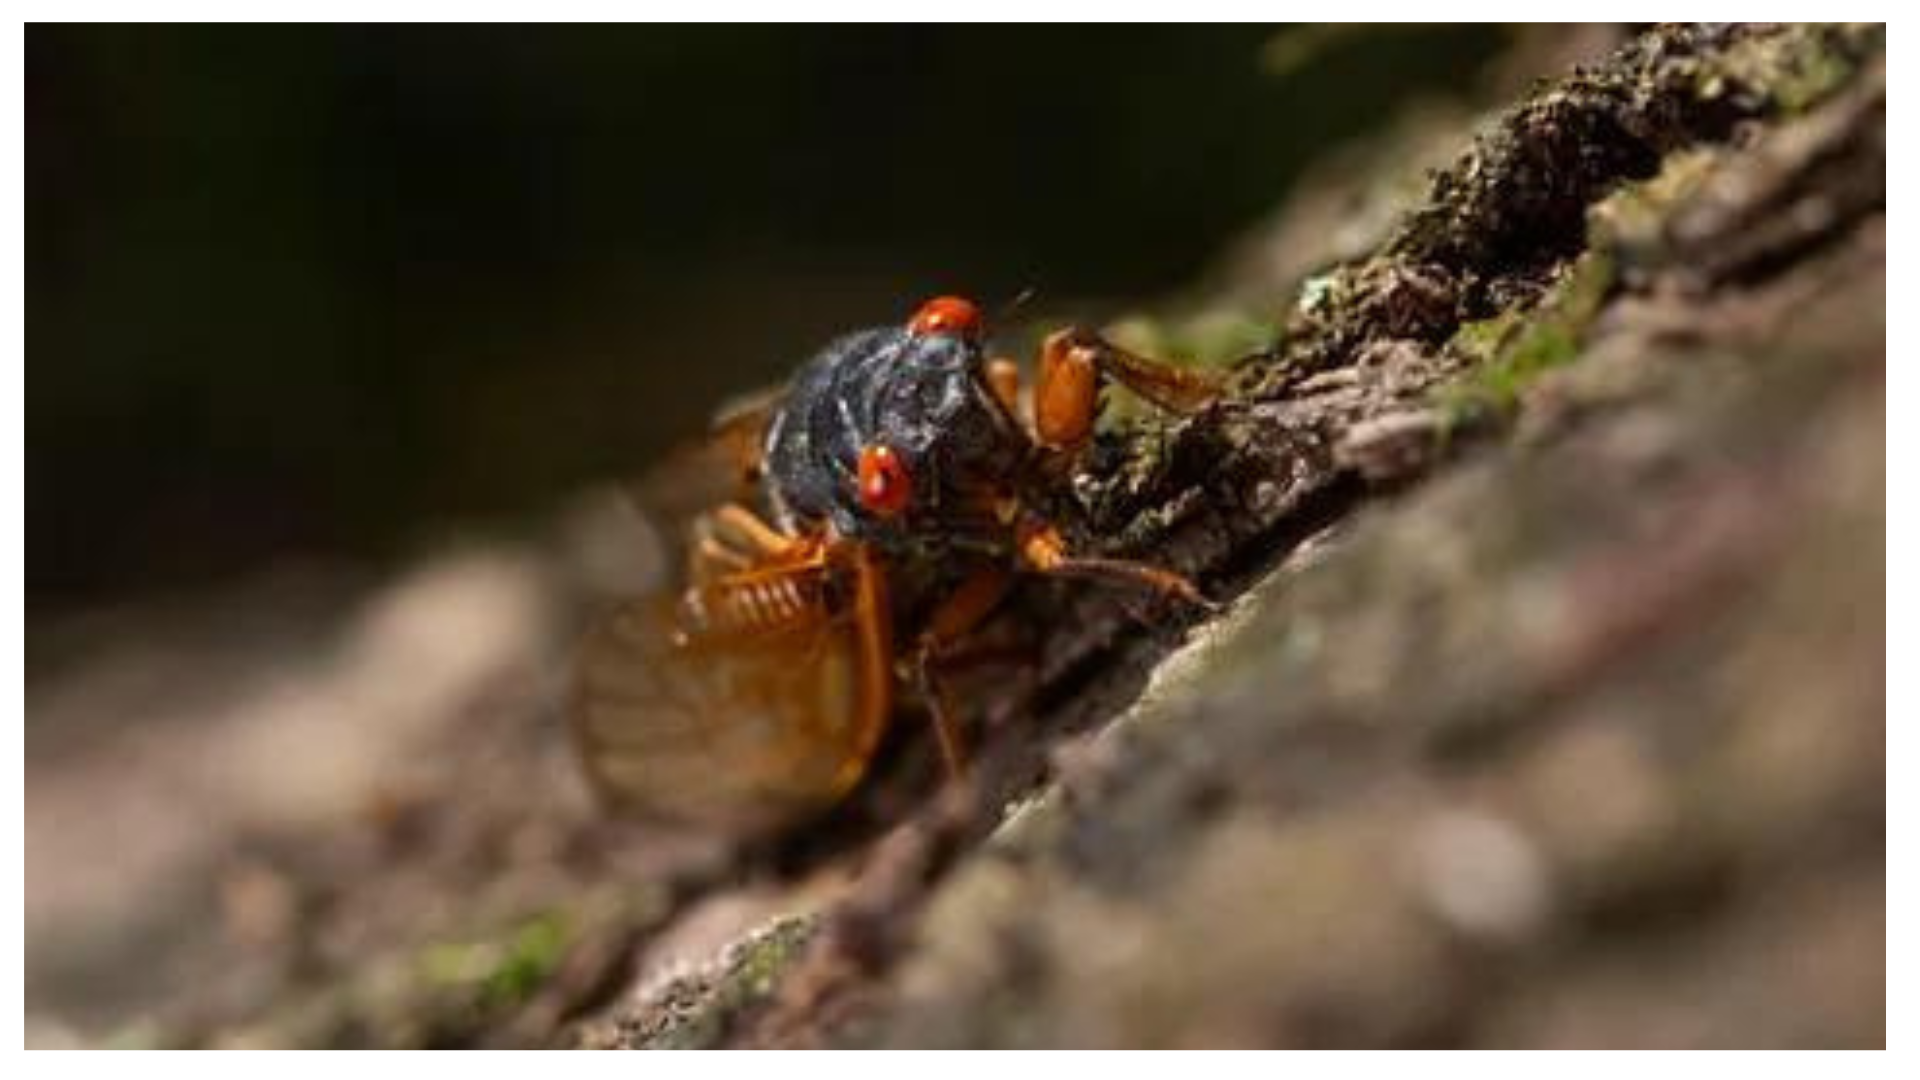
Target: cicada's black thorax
{"type": "Point", "coordinates": [923, 395]}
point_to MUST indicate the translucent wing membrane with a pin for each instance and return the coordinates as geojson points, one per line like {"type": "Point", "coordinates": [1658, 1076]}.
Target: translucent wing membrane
{"type": "Point", "coordinates": [723, 465]}
{"type": "Point", "coordinates": [741, 730]}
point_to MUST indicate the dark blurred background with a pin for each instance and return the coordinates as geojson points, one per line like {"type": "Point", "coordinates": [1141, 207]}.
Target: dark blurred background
{"type": "Point", "coordinates": [324, 291]}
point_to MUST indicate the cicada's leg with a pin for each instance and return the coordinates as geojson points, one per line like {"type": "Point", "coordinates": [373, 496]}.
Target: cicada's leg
{"type": "Point", "coordinates": [956, 616]}
{"type": "Point", "coordinates": [713, 558]}
{"type": "Point", "coordinates": [739, 525]}
{"type": "Point", "coordinates": [1074, 366]}
{"type": "Point", "coordinates": [872, 615]}
{"type": "Point", "coordinates": [733, 539]}
{"type": "Point", "coordinates": [1043, 549]}
{"type": "Point", "coordinates": [733, 593]}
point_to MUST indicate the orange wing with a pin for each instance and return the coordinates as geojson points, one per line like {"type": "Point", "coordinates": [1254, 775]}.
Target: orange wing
{"type": "Point", "coordinates": [741, 729]}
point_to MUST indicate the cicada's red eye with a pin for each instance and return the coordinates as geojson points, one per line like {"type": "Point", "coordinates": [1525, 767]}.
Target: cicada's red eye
{"type": "Point", "coordinates": [885, 486]}
{"type": "Point", "coordinates": [947, 315]}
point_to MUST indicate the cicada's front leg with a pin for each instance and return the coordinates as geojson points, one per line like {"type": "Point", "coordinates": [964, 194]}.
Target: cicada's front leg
{"type": "Point", "coordinates": [1075, 365]}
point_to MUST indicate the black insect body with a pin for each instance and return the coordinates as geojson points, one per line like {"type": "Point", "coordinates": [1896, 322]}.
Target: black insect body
{"type": "Point", "coordinates": [925, 398]}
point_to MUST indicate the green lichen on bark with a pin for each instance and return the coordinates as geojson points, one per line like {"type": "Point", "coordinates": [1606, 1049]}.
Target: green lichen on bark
{"type": "Point", "coordinates": [502, 973]}
{"type": "Point", "coordinates": [501, 981]}
{"type": "Point", "coordinates": [1505, 354]}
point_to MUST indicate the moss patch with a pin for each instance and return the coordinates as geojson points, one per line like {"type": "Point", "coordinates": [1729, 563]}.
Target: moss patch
{"type": "Point", "coordinates": [1508, 352]}
{"type": "Point", "coordinates": [500, 973]}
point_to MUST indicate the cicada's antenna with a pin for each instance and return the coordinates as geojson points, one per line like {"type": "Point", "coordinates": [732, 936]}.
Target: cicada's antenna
{"type": "Point", "coordinates": [1020, 299]}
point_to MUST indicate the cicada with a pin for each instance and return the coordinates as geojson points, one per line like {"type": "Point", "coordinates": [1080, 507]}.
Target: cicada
{"type": "Point", "coordinates": [889, 498]}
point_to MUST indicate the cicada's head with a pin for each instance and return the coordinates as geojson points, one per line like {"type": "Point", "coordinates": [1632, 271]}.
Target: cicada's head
{"type": "Point", "coordinates": [893, 435]}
